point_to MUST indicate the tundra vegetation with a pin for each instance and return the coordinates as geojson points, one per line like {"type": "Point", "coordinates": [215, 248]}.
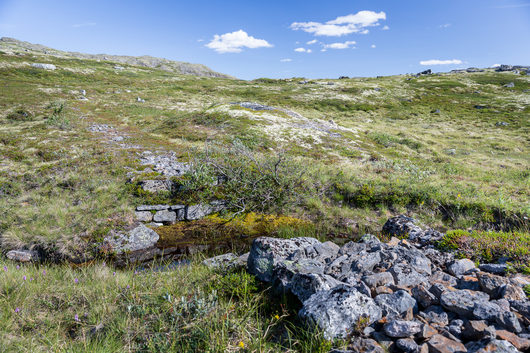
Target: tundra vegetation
{"type": "Point", "coordinates": [334, 160]}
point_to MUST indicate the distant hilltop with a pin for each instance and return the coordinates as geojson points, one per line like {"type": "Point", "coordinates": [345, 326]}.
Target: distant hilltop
{"type": "Point", "coordinates": [12, 45]}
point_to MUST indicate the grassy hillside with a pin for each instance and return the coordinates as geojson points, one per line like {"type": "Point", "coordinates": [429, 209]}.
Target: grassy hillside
{"type": "Point", "coordinates": [333, 159]}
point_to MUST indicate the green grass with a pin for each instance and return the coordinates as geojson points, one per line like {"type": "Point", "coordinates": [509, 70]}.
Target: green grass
{"type": "Point", "coordinates": [187, 309]}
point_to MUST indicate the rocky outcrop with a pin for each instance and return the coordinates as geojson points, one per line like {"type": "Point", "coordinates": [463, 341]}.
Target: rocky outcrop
{"type": "Point", "coordinates": [404, 294]}
{"type": "Point", "coordinates": [169, 214]}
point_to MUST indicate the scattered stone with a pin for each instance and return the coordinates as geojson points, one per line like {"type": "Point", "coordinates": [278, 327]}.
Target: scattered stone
{"type": "Point", "coordinates": [497, 269]}
{"type": "Point", "coordinates": [407, 345]}
{"type": "Point", "coordinates": [501, 123]}
{"type": "Point", "coordinates": [435, 315]}
{"type": "Point", "coordinates": [43, 66]}
{"type": "Point", "coordinates": [509, 85]}
{"type": "Point", "coordinates": [461, 267]}
{"type": "Point", "coordinates": [140, 100]}
{"type": "Point", "coordinates": [424, 297]}
{"type": "Point", "coordinates": [194, 212]}
{"type": "Point", "coordinates": [512, 293]}
{"type": "Point", "coordinates": [366, 345]}
{"type": "Point", "coordinates": [226, 262]}
{"type": "Point", "coordinates": [399, 328]}
{"type": "Point", "coordinates": [491, 284]}
{"type": "Point", "coordinates": [509, 321]}
{"type": "Point", "coordinates": [337, 311]}
{"type": "Point", "coordinates": [22, 255]}
{"type": "Point", "coordinates": [304, 285]}
{"type": "Point", "coordinates": [406, 276]}
{"type": "Point", "coordinates": [475, 330]}
{"type": "Point", "coordinates": [152, 207]}
{"type": "Point", "coordinates": [487, 311]}
{"type": "Point", "coordinates": [378, 279]}
{"type": "Point", "coordinates": [156, 186]}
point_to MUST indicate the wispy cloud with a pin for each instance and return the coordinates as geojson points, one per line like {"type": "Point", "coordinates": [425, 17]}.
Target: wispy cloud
{"type": "Point", "coordinates": [303, 50]}
{"type": "Point", "coordinates": [385, 28]}
{"type": "Point", "coordinates": [445, 25]}
{"type": "Point", "coordinates": [286, 60]}
{"type": "Point", "coordinates": [86, 24]}
{"type": "Point", "coordinates": [343, 45]}
{"type": "Point", "coordinates": [342, 25]}
{"type": "Point", "coordinates": [312, 42]}
{"type": "Point", "coordinates": [372, 46]}
{"type": "Point", "coordinates": [440, 62]}
{"type": "Point", "coordinates": [234, 42]}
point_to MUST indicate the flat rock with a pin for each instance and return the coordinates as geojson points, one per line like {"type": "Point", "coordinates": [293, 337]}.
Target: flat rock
{"type": "Point", "coordinates": [491, 345]}
{"type": "Point", "coordinates": [304, 285]}
{"type": "Point", "coordinates": [152, 207]}
{"type": "Point", "coordinates": [407, 345]}
{"type": "Point", "coordinates": [462, 302]}
{"type": "Point", "coordinates": [137, 239]}
{"type": "Point", "coordinates": [441, 344]}
{"type": "Point", "coordinates": [228, 261]}
{"type": "Point", "coordinates": [435, 315]}
{"type": "Point", "coordinates": [43, 66]}
{"type": "Point", "coordinates": [461, 267]}
{"type": "Point", "coordinates": [520, 343]}
{"type": "Point", "coordinates": [143, 216]}
{"type": "Point", "coordinates": [156, 186]}
{"type": "Point", "coordinates": [400, 328]}
{"type": "Point", "coordinates": [165, 216]}
{"type": "Point", "coordinates": [337, 311]}
{"type": "Point", "coordinates": [22, 255]}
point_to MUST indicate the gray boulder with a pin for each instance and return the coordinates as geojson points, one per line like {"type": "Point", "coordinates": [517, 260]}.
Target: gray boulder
{"type": "Point", "coordinates": [435, 314]}
{"type": "Point", "coordinates": [461, 267]}
{"type": "Point", "coordinates": [226, 262]}
{"type": "Point", "coordinates": [137, 239]}
{"type": "Point", "coordinates": [266, 253]}
{"type": "Point", "coordinates": [406, 276]}
{"type": "Point", "coordinates": [424, 297]}
{"type": "Point", "coordinates": [378, 279]}
{"type": "Point", "coordinates": [487, 311]}
{"type": "Point", "coordinates": [400, 226]}
{"type": "Point", "coordinates": [462, 302]}
{"type": "Point", "coordinates": [509, 321]}
{"type": "Point", "coordinates": [155, 186]}
{"type": "Point", "coordinates": [337, 311]}
{"type": "Point", "coordinates": [509, 85]}
{"type": "Point", "coordinates": [400, 328]}
{"type": "Point", "coordinates": [143, 216]}
{"type": "Point", "coordinates": [396, 305]}
{"type": "Point", "coordinates": [441, 344]}
{"type": "Point", "coordinates": [194, 212]}
{"type": "Point", "coordinates": [152, 207]}
{"type": "Point", "coordinates": [304, 285]}
{"type": "Point", "coordinates": [491, 345]}
{"type": "Point", "coordinates": [407, 345]}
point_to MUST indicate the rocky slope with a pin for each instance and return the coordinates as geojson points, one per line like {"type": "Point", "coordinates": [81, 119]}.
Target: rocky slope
{"type": "Point", "coordinates": [11, 45]}
{"type": "Point", "coordinates": [405, 296]}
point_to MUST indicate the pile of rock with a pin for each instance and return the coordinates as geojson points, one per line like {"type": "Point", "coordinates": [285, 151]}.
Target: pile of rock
{"type": "Point", "coordinates": [402, 295]}
{"type": "Point", "coordinates": [158, 215]}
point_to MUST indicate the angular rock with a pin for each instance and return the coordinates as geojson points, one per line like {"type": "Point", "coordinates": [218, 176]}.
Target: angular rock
{"type": "Point", "coordinates": [285, 270]}
{"type": "Point", "coordinates": [338, 310]}
{"type": "Point", "coordinates": [378, 279]}
{"type": "Point", "coordinates": [435, 315]}
{"type": "Point", "coordinates": [497, 269]}
{"type": "Point", "coordinates": [324, 252]}
{"type": "Point", "coordinates": [491, 345]}
{"type": "Point", "coordinates": [304, 285]}
{"type": "Point", "coordinates": [443, 278]}
{"type": "Point", "coordinates": [491, 284]}
{"type": "Point", "coordinates": [144, 216]}
{"type": "Point", "coordinates": [487, 311]}
{"type": "Point", "coordinates": [461, 267]}
{"type": "Point", "coordinates": [223, 262]}
{"type": "Point", "coordinates": [468, 282]}
{"type": "Point", "coordinates": [407, 345]}
{"type": "Point", "coordinates": [522, 307]}
{"type": "Point", "coordinates": [424, 297]}
{"type": "Point", "coordinates": [194, 212]}
{"type": "Point", "coordinates": [401, 329]}
{"type": "Point", "coordinates": [462, 302]}
{"type": "Point", "coordinates": [520, 343]}
{"type": "Point", "coordinates": [400, 226]}
{"type": "Point", "coordinates": [475, 330]}
{"type": "Point", "coordinates": [266, 253]}
{"type": "Point", "coordinates": [396, 305]}
{"type": "Point", "coordinates": [509, 321]}
{"type": "Point", "coordinates": [512, 293]}
{"type": "Point", "coordinates": [441, 344]}
{"type": "Point", "coordinates": [404, 275]}
{"type": "Point", "coordinates": [22, 255]}
{"type": "Point", "coordinates": [165, 216]}
{"type": "Point", "coordinates": [366, 345]}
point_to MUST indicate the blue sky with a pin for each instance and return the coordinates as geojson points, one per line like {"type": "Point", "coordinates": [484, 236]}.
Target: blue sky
{"type": "Point", "coordinates": [251, 39]}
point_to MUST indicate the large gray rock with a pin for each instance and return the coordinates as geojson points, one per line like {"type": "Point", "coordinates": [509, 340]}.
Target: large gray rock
{"type": "Point", "coordinates": [400, 226]}
{"type": "Point", "coordinates": [491, 345]}
{"type": "Point", "coordinates": [144, 216]}
{"type": "Point", "coordinates": [424, 297]}
{"type": "Point", "coordinates": [337, 311]}
{"type": "Point", "coordinates": [152, 207]}
{"type": "Point", "coordinates": [22, 255]}
{"type": "Point", "coordinates": [194, 212]}
{"type": "Point", "coordinates": [406, 276]}
{"type": "Point", "coordinates": [285, 270]}
{"type": "Point", "coordinates": [396, 305]}
{"type": "Point", "coordinates": [522, 307]}
{"type": "Point", "coordinates": [137, 239]}
{"type": "Point", "coordinates": [462, 302]}
{"type": "Point", "coordinates": [226, 262]}
{"type": "Point", "coordinates": [491, 284]}
{"type": "Point", "coordinates": [378, 279]}
{"type": "Point", "coordinates": [461, 267]}
{"type": "Point", "coordinates": [441, 344]}
{"type": "Point", "coordinates": [43, 66]}
{"type": "Point", "coordinates": [487, 311]}
{"type": "Point", "coordinates": [435, 315]}
{"type": "Point", "coordinates": [165, 216]}
{"type": "Point", "coordinates": [323, 252]}
{"type": "Point", "coordinates": [304, 285]}
{"type": "Point", "coordinates": [509, 321]}
{"type": "Point", "coordinates": [401, 329]}
{"type": "Point", "coordinates": [267, 253]}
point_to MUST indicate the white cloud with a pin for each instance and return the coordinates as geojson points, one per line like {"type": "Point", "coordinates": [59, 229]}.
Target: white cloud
{"type": "Point", "coordinates": [345, 45]}
{"type": "Point", "coordinates": [353, 23]}
{"type": "Point", "coordinates": [441, 62]}
{"type": "Point", "coordinates": [303, 50]}
{"type": "Point", "coordinates": [200, 40]}
{"type": "Point", "coordinates": [286, 60]}
{"type": "Point", "coordinates": [385, 28]}
{"type": "Point", "coordinates": [234, 42]}
{"type": "Point", "coordinates": [312, 42]}
{"type": "Point", "coordinates": [86, 24]}
{"type": "Point", "coordinates": [446, 25]}
{"type": "Point", "coordinates": [496, 65]}
{"type": "Point", "coordinates": [372, 46]}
